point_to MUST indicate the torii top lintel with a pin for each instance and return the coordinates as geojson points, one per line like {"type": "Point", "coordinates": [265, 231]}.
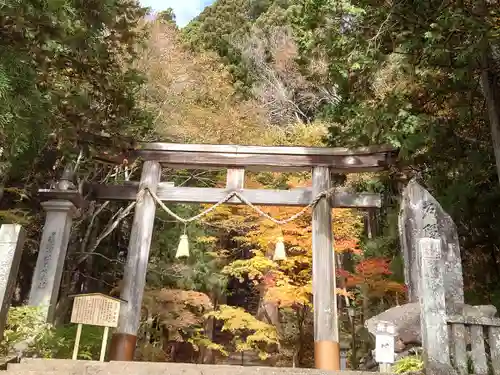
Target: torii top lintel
{"type": "Point", "coordinates": [280, 158]}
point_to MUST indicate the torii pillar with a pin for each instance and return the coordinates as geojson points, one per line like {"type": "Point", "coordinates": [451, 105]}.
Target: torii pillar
{"type": "Point", "coordinates": [124, 340]}
{"type": "Point", "coordinates": [326, 334]}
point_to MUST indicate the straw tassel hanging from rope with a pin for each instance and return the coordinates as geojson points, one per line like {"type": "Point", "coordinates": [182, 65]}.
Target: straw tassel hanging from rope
{"type": "Point", "coordinates": [183, 248]}
{"type": "Point", "coordinates": [279, 251]}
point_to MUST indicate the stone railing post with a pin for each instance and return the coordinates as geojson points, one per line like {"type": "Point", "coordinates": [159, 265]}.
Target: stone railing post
{"type": "Point", "coordinates": [51, 256]}
{"type": "Point", "coordinates": [435, 338]}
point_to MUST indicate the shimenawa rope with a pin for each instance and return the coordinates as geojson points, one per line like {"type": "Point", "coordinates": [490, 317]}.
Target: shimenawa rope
{"type": "Point", "coordinates": [243, 199]}
{"type": "Point", "coordinates": [233, 194]}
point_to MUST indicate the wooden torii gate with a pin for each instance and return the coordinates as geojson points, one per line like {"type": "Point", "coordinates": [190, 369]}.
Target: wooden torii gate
{"type": "Point", "coordinates": [236, 159]}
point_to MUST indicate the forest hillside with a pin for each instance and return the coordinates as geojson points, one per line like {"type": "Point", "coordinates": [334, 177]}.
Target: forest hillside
{"type": "Point", "coordinates": [80, 80]}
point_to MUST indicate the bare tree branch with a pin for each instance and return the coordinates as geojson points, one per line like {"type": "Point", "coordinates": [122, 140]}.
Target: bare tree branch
{"type": "Point", "coordinates": [280, 86]}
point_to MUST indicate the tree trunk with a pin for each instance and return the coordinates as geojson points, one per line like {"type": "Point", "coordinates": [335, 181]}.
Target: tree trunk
{"type": "Point", "coordinates": [268, 311]}
{"type": "Point", "coordinates": [492, 96]}
{"type": "Point", "coordinates": [207, 355]}
{"type": "Point", "coordinates": [69, 285]}
{"type": "Point", "coordinates": [489, 85]}
{"type": "Point", "coordinates": [301, 313]}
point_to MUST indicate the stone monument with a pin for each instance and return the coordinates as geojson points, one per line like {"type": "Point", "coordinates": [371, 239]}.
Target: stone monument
{"type": "Point", "coordinates": [433, 273]}
{"type": "Point", "coordinates": [12, 238]}
{"type": "Point", "coordinates": [422, 216]}
{"type": "Point", "coordinates": [61, 209]}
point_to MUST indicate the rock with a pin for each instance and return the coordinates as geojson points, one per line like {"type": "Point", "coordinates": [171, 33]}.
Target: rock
{"type": "Point", "coordinates": [399, 345]}
{"type": "Point", "coordinates": [368, 363]}
{"type": "Point", "coordinates": [406, 318]}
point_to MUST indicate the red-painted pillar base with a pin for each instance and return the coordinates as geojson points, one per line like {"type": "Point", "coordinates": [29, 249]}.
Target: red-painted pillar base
{"type": "Point", "coordinates": [122, 347]}
{"type": "Point", "coordinates": [327, 355]}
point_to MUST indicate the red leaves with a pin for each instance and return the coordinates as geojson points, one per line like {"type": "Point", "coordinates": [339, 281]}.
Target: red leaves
{"type": "Point", "coordinates": [372, 273]}
{"type": "Point", "coordinates": [373, 267]}
{"type": "Point", "coordinates": [343, 273]}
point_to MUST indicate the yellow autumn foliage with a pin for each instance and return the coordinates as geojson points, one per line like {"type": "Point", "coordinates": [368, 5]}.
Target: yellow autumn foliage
{"type": "Point", "coordinates": [289, 282]}
{"type": "Point", "coordinates": [192, 94]}
{"type": "Point", "coordinates": [176, 309]}
{"type": "Point", "coordinates": [248, 332]}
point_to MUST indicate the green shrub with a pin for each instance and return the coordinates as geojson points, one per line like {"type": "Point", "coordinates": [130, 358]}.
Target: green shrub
{"type": "Point", "coordinates": [23, 323]}
{"type": "Point", "coordinates": [408, 364]}
{"type": "Point", "coordinates": [45, 341]}
{"type": "Point", "coordinates": [59, 343]}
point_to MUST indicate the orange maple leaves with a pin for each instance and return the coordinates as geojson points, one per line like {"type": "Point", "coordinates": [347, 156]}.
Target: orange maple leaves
{"type": "Point", "coordinates": [373, 267]}
{"type": "Point", "coordinates": [289, 282]}
{"type": "Point", "coordinates": [349, 244]}
{"type": "Point", "coordinates": [373, 274]}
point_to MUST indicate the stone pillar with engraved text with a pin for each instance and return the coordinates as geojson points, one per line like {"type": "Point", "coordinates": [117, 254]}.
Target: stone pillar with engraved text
{"type": "Point", "coordinates": [12, 238]}
{"type": "Point", "coordinates": [50, 263]}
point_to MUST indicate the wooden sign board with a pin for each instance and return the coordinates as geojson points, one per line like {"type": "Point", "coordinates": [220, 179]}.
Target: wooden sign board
{"type": "Point", "coordinates": [95, 310]}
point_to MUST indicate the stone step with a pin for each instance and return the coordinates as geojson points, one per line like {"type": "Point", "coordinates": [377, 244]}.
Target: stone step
{"type": "Point", "coordinates": [68, 367]}
{"type": "Point", "coordinates": [54, 362]}
{"type": "Point", "coordinates": [38, 364]}
{"type": "Point", "coordinates": [138, 368]}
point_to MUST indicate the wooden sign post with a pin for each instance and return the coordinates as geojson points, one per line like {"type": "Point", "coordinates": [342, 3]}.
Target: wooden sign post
{"type": "Point", "coordinates": [96, 310]}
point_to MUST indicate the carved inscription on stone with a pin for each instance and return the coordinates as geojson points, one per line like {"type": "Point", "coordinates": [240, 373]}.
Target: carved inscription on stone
{"type": "Point", "coordinates": [11, 249]}
{"type": "Point", "coordinates": [47, 257]}
{"type": "Point", "coordinates": [422, 217]}
{"type": "Point", "coordinates": [429, 219]}
{"type": "Point", "coordinates": [430, 248]}
{"type": "Point", "coordinates": [96, 310]}
{"type": "Point", "coordinates": [7, 251]}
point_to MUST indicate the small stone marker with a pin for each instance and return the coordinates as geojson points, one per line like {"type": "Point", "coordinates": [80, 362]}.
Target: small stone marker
{"type": "Point", "coordinates": [12, 238]}
{"type": "Point", "coordinates": [384, 345]}
{"type": "Point", "coordinates": [95, 309]}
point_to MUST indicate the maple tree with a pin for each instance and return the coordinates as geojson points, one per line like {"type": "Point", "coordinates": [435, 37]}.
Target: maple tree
{"type": "Point", "coordinates": [248, 332]}
{"type": "Point", "coordinates": [171, 317]}
{"type": "Point", "coordinates": [287, 284]}
{"type": "Point", "coordinates": [371, 279]}
{"type": "Point", "coordinates": [176, 311]}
